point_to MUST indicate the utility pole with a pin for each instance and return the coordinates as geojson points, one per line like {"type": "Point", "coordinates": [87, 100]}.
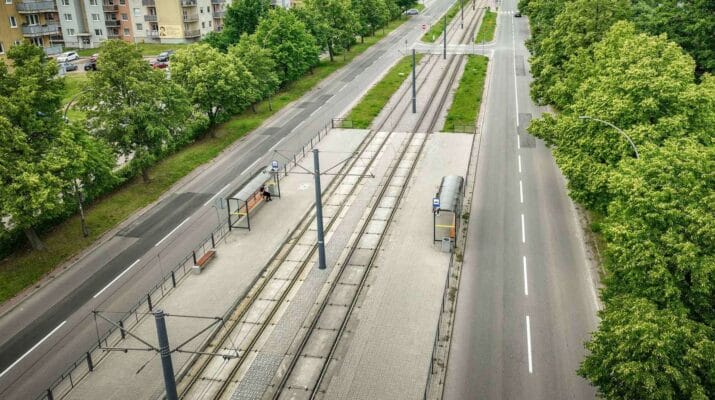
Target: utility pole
{"type": "Point", "coordinates": [319, 210]}
{"type": "Point", "coordinates": [444, 52]}
{"type": "Point", "coordinates": [166, 366]}
{"type": "Point", "coordinates": [414, 83]}
{"type": "Point", "coordinates": [461, 8]}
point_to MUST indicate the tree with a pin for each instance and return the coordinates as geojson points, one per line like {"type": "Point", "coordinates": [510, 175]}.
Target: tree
{"type": "Point", "coordinates": [292, 47]}
{"type": "Point", "coordinates": [243, 16]}
{"type": "Point", "coordinates": [259, 63]}
{"type": "Point", "coordinates": [217, 84]}
{"type": "Point", "coordinates": [41, 161]}
{"type": "Point", "coordinates": [138, 111]}
{"type": "Point", "coordinates": [372, 14]}
{"type": "Point", "coordinates": [217, 40]}
{"type": "Point", "coordinates": [332, 22]}
{"type": "Point", "coordinates": [641, 352]}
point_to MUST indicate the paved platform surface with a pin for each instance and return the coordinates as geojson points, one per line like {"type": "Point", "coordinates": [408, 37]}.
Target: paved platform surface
{"type": "Point", "coordinates": [239, 259]}
{"type": "Point", "coordinates": [388, 353]}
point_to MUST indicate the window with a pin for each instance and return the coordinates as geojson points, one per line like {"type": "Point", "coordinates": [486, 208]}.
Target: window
{"type": "Point", "coordinates": [203, 24]}
{"type": "Point", "coordinates": [65, 2]}
{"type": "Point", "coordinates": [33, 19]}
{"type": "Point", "coordinates": [67, 17]}
{"type": "Point", "coordinates": [201, 10]}
{"type": "Point", "coordinates": [137, 12]}
{"type": "Point", "coordinates": [2, 48]}
{"type": "Point", "coordinates": [125, 17]}
{"type": "Point", "coordinates": [95, 17]}
{"type": "Point", "coordinates": [140, 27]}
{"type": "Point", "coordinates": [16, 43]}
{"type": "Point", "coordinates": [70, 32]}
{"type": "Point", "coordinates": [126, 31]}
{"type": "Point", "coordinates": [93, 3]}
{"type": "Point", "coordinates": [37, 41]}
{"type": "Point", "coordinates": [208, 10]}
{"type": "Point", "coordinates": [209, 24]}
{"type": "Point", "coordinates": [13, 22]}
{"type": "Point", "coordinates": [122, 2]}
{"type": "Point", "coordinates": [98, 32]}
{"type": "Point", "coordinates": [8, 1]}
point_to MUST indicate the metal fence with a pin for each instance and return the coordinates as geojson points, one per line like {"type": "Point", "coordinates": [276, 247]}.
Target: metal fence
{"type": "Point", "coordinates": [85, 364]}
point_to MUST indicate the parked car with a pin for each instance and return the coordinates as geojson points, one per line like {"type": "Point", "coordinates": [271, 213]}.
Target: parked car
{"type": "Point", "coordinates": [164, 55]}
{"type": "Point", "coordinates": [517, 14]}
{"type": "Point", "coordinates": [159, 64]}
{"type": "Point", "coordinates": [93, 57]}
{"type": "Point", "coordinates": [90, 65]}
{"type": "Point", "coordinates": [68, 66]}
{"type": "Point", "coordinates": [67, 56]}
{"type": "Point", "coordinates": [412, 11]}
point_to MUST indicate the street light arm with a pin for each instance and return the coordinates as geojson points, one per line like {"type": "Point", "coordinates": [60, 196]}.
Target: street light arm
{"type": "Point", "coordinates": [633, 145]}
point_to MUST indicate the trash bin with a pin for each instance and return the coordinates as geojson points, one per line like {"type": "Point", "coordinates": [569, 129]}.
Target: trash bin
{"type": "Point", "coordinates": [446, 245]}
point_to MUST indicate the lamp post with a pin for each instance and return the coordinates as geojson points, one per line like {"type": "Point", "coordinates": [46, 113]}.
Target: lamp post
{"type": "Point", "coordinates": [616, 128]}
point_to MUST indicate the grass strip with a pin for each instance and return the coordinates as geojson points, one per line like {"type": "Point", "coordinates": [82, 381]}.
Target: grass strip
{"type": "Point", "coordinates": [487, 27]}
{"type": "Point", "coordinates": [433, 33]}
{"type": "Point", "coordinates": [462, 114]}
{"type": "Point", "coordinates": [375, 99]}
{"type": "Point", "coordinates": [25, 267]}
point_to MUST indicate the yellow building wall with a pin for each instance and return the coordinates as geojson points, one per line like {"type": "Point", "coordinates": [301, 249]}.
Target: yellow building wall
{"type": "Point", "coordinates": [8, 35]}
{"type": "Point", "coordinates": [171, 21]}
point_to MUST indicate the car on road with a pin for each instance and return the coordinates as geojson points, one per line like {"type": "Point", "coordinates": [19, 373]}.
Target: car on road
{"type": "Point", "coordinates": [159, 64]}
{"type": "Point", "coordinates": [164, 55]}
{"type": "Point", "coordinates": [517, 14]}
{"type": "Point", "coordinates": [411, 11]}
{"type": "Point", "coordinates": [90, 65]}
{"type": "Point", "coordinates": [67, 56]}
{"type": "Point", "coordinates": [68, 66]}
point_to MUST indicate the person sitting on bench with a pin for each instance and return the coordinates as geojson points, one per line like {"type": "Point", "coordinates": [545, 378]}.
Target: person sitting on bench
{"type": "Point", "coordinates": [266, 194]}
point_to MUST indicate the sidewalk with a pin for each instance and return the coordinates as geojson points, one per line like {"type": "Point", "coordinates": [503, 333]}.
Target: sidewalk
{"type": "Point", "coordinates": [387, 353]}
{"type": "Point", "coordinates": [137, 374]}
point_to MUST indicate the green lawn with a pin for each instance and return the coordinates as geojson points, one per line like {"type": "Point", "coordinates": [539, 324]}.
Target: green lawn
{"type": "Point", "coordinates": [147, 49]}
{"type": "Point", "coordinates": [26, 267]}
{"type": "Point", "coordinates": [433, 33]}
{"type": "Point", "coordinates": [73, 85]}
{"type": "Point", "coordinates": [375, 99]}
{"type": "Point", "coordinates": [462, 114]}
{"type": "Point", "coordinates": [487, 27]}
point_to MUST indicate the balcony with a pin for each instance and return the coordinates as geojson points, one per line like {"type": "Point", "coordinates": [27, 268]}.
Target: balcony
{"type": "Point", "coordinates": [30, 7]}
{"type": "Point", "coordinates": [113, 35]}
{"type": "Point", "coordinates": [110, 8]}
{"type": "Point", "coordinates": [52, 50]}
{"type": "Point", "coordinates": [194, 33]}
{"type": "Point", "coordinates": [218, 1]}
{"type": "Point", "coordinates": [38, 30]}
{"type": "Point", "coordinates": [149, 3]}
{"type": "Point", "coordinates": [219, 14]}
{"type": "Point", "coordinates": [188, 3]}
{"type": "Point", "coordinates": [113, 23]}
{"type": "Point", "coordinates": [150, 18]}
{"type": "Point", "coordinates": [191, 18]}
{"type": "Point", "coordinates": [152, 34]}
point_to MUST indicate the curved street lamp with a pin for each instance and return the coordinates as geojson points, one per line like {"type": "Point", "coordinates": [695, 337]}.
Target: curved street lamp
{"type": "Point", "coordinates": [616, 128]}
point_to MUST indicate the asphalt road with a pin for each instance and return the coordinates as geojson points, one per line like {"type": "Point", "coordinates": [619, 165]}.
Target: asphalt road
{"type": "Point", "coordinates": [526, 302]}
{"type": "Point", "coordinates": [53, 327]}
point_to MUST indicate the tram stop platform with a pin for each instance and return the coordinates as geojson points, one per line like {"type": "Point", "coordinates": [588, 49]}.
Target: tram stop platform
{"type": "Point", "coordinates": [238, 261]}
{"type": "Point", "coordinates": [389, 350]}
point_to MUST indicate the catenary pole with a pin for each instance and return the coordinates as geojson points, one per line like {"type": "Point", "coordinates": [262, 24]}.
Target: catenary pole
{"type": "Point", "coordinates": [319, 210]}
{"type": "Point", "coordinates": [414, 83]}
{"type": "Point", "coordinates": [166, 366]}
{"type": "Point", "coordinates": [444, 52]}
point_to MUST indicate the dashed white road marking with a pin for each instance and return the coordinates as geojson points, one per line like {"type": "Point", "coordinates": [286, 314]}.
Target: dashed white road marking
{"type": "Point", "coordinates": [250, 167]}
{"type": "Point", "coordinates": [32, 348]}
{"type": "Point", "coordinates": [519, 163]}
{"type": "Point", "coordinates": [172, 231]}
{"type": "Point", "coordinates": [214, 196]}
{"type": "Point", "coordinates": [528, 343]}
{"type": "Point", "coordinates": [526, 281]}
{"type": "Point", "coordinates": [115, 279]}
{"type": "Point", "coordinates": [521, 192]}
{"type": "Point", "coordinates": [523, 230]}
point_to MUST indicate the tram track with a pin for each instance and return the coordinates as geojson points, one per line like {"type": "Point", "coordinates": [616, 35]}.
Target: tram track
{"type": "Point", "coordinates": [288, 386]}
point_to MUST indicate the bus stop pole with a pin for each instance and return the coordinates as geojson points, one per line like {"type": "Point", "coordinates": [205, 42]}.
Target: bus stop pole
{"type": "Point", "coordinates": [319, 210]}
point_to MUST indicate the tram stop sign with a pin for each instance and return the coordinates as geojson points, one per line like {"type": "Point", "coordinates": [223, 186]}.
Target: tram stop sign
{"type": "Point", "coordinates": [435, 203]}
{"type": "Point", "coordinates": [274, 165]}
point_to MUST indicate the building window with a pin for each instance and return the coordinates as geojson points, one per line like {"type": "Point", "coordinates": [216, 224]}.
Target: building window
{"type": "Point", "coordinates": [140, 27]}
{"type": "Point", "coordinates": [125, 17]}
{"type": "Point", "coordinates": [93, 3]}
{"type": "Point", "coordinates": [13, 22]}
{"type": "Point", "coordinates": [95, 17]}
{"type": "Point", "coordinates": [67, 17]}
{"type": "Point", "coordinates": [70, 32]}
{"type": "Point", "coordinates": [2, 48]}
{"type": "Point", "coordinates": [137, 12]}
{"type": "Point", "coordinates": [37, 41]}
{"type": "Point", "coordinates": [209, 24]}
{"type": "Point", "coordinates": [126, 31]}
{"type": "Point", "coordinates": [65, 2]}
{"type": "Point", "coordinates": [8, 1]}
{"type": "Point", "coordinates": [201, 10]}
{"type": "Point", "coordinates": [16, 43]}
{"type": "Point", "coordinates": [98, 32]}
{"type": "Point", "coordinates": [33, 19]}
{"type": "Point", "coordinates": [122, 2]}
{"type": "Point", "coordinates": [208, 10]}
{"type": "Point", "coordinates": [203, 24]}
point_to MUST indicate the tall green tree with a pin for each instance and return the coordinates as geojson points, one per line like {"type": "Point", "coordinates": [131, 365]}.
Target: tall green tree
{"type": "Point", "coordinates": [218, 84]}
{"type": "Point", "coordinates": [259, 63]}
{"type": "Point", "coordinates": [243, 16]}
{"type": "Point", "coordinates": [372, 15]}
{"type": "Point", "coordinates": [292, 47]}
{"type": "Point", "coordinates": [43, 160]}
{"type": "Point", "coordinates": [641, 352]}
{"type": "Point", "coordinates": [137, 110]}
{"type": "Point", "coordinates": [332, 22]}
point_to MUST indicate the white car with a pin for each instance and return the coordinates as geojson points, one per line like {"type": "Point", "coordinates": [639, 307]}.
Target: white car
{"type": "Point", "coordinates": [67, 56]}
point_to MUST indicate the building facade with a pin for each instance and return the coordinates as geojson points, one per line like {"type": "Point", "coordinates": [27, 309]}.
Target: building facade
{"type": "Point", "coordinates": [29, 20]}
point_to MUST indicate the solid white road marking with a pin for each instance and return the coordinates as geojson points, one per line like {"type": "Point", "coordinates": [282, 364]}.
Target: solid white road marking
{"type": "Point", "coordinates": [519, 163]}
{"type": "Point", "coordinates": [250, 166]}
{"type": "Point", "coordinates": [528, 343]}
{"type": "Point", "coordinates": [523, 230]}
{"type": "Point", "coordinates": [526, 282]}
{"type": "Point", "coordinates": [115, 279]}
{"type": "Point", "coordinates": [32, 349]}
{"type": "Point", "coordinates": [172, 231]}
{"type": "Point", "coordinates": [214, 196]}
{"type": "Point", "coordinates": [521, 192]}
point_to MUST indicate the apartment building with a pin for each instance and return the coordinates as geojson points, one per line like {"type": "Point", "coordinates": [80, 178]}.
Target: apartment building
{"type": "Point", "coordinates": [31, 20]}
{"type": "Point", "coordinates": [175, 21]}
